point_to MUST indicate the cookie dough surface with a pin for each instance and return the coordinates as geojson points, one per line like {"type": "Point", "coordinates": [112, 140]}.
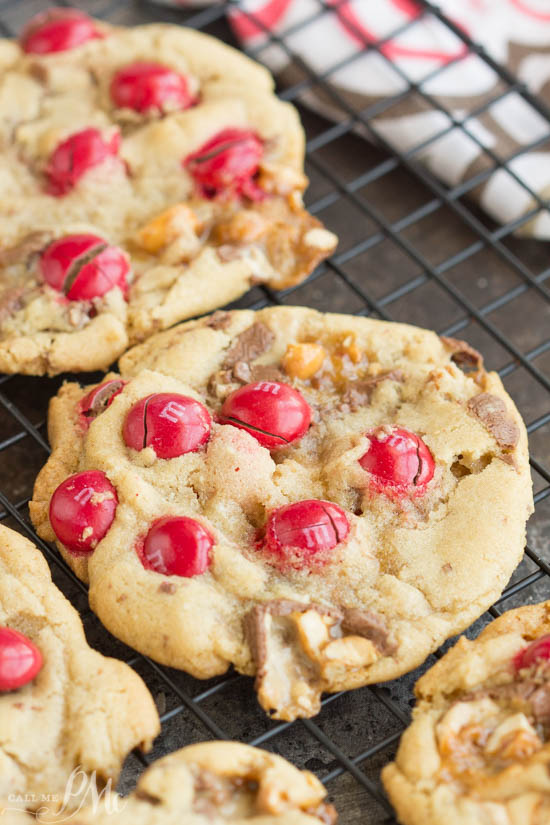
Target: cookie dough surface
{"type": "Point", "coordinates": [188, 254]}
{"type": "Point", "coordinates": [478, 749]}
{"type": "Point", "coordinates": [216, 782]}
{"type": "Point", "coordinates": [10, 816]}
{"type": "Point", "coordinates": [413, 570]}
{"type": "Point", "coordinates": [82, 710]}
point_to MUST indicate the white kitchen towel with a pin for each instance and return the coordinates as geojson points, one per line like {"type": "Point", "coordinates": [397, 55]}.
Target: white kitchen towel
{"type": "Point", "coordinates": [460, 118]}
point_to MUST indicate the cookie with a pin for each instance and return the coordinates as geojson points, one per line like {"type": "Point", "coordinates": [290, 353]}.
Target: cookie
{"type": "Point", "coordinates": [218, 782]}
{"type": "Point", "coordinates": [11, 816]}
{"type": "Point", "coordinates": [63, 706]}
{"type": "Point", "coordinates": [147, 175]}
{"type": "Point", "coordinates": [478, 747]}
{"type": "Point", "coordinates": [314, 498]}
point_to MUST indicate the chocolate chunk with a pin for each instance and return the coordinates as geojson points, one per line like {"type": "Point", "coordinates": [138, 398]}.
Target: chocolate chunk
{"type": "Point", "coordinates": [325, 813]}
{"type": "Point", "coordinates": [288, 649]}
{"type": "Point", "coordinates": [214, 792]}
{"type": "Point", "coordinates": [27, 246]}
{"type": "Point", "coordinates": [236, 366]}
{"type": "Point", "coordinates": [266, 372]}
{"type": "Point", "coordinates": [39, 72]}
{"type": "Point", "coordinates": [282, 663]}
{"type": "Point", "coordinates": [219, 320]}
{"type": "Point", "coordinates": [463, 354]}
{"type": "Point", "coordinates": [11, 301]}
{"type": "Point", "coordinates": [540, 704]}
{"type": "Point", "coordinates": [246, 374]}
{"type": "Point", "coordinates": [254, 629]}
{"type": "Point", "coordinates": [517, 691]}
{"type": "Point", "coordinates": [369, 625]}
{"type": "Point", "coordinates": [167, 587]}
{"type": "Point", "coordinates": [492, 412]}
{"type": "Point", "coordinates": [358, 393]}
{"type": "Point", "coordinates": [527, 694]}
{"type": "Point", "coordinates": [102, 398]}
{"type": "Point", "coordinates": [144, 796]}
{"type": "Point", "coordinates": [255, 635]}
{"type": "Point", "coordinates": [249, 345]}
{"type": "Point", "coordinates": [508, 458]}
{"type": "Point", "coordinates": [284, 607]}
{"type": "Point", "coordinates": [241, 372]}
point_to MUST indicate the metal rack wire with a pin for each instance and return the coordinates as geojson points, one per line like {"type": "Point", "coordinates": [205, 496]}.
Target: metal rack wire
{"type": "Point", "coordinates": [412, 250]}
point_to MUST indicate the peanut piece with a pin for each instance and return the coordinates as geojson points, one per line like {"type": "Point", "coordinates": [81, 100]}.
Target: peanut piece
{"type": "Point", "coordinates": [303, 360]}
{"type": "Point", "coordinates": [165, 227]}
{"type": "Point", "coordinates": [514, 738]}
{"type": "Point", "coordinates": [244, 227]}
{"type": "Point", "coordinates": [313, 630]}
{"type": "Point", "coordinates": [280, 180]}
{"type": "Point", "coordinates": [462, 715]}
{"type": "Point", "coordinates": [354, 651]}
{"type": "Point", "coordinates": [347, 655]}
{"type": "Point", "coordinates": [321, 239]}
{"type": "Point", "coordinates": [520, 745]}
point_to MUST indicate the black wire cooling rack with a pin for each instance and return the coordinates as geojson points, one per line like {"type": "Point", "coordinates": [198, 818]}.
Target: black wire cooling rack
{"type": "Point", "coordinates": [411, 250]}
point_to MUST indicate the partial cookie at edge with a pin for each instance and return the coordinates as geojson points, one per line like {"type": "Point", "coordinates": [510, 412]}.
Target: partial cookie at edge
{"type": "Point", "coordinates": [83, 710]}
{"type": "Point", "coordinates": [183, 273]}
{"type": "Point", "coordinates": [220, 780]}
{"type": "Point", "coordinates": [479, 680]}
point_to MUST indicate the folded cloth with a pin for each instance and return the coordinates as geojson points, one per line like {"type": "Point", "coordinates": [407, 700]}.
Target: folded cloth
{"type": "Point", "coordinates": [422, 90]}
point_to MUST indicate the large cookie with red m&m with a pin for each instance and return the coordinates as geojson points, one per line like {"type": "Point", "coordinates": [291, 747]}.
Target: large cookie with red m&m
{"type": "Point", "coordinates": [65, 710]}
{"type": "Point", "coordinates": [146, 175]}
{"type": "Point", "coordinates": [320, 500]}
{"type": "Point", "coordinates": [478, 748]}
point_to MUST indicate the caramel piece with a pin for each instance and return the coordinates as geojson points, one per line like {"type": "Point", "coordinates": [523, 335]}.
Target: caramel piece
{"type": "Point", "coordinates": [303, 360]}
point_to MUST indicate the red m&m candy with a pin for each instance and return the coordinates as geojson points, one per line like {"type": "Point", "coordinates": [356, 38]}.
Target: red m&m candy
{"type": "Point", "coordinates": [398, 460]}
{"type": "Point", "coordinates": [535, 653]}
{"type": "Point", "coordinates": [274, 413]}
{"type": "Point", "coordinates": [150, 87]}
{"type": "Point", "coordinates": [75, 156]}
{"type": "Point", "coordinates": [98, 399]}
{"type": "Point", "coordinates": [177, 546]}
{"type": "Point", "coordinates": [171, 424]}
{"type": "Point", "coordinates": [82, 510]}
{"type": "Point", "coordinates": [297, 533]}
{"type": "Point", "coordinates": [57, 30]}
{"type": "Point", "coordinates": [20, 659]}
{"type": "Point", "coordinates": [84, 267]}
{"type": "Point", "coordinates": [225, 166]}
